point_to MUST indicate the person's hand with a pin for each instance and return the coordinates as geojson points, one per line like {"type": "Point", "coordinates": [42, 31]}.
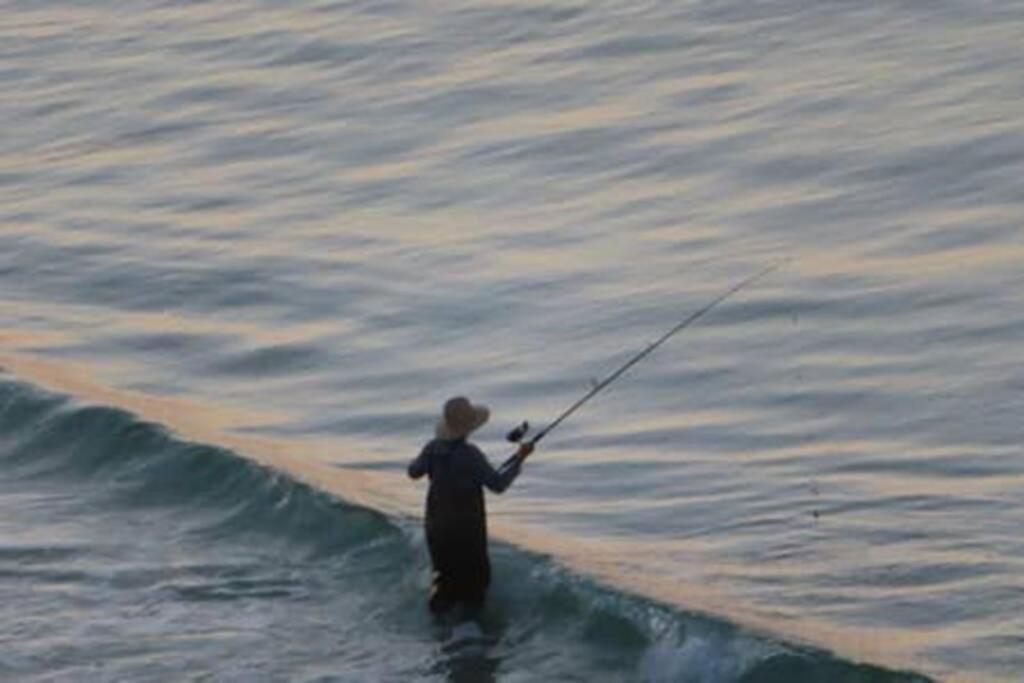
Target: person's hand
{"type": "Point", "coordinates": [525, 449]}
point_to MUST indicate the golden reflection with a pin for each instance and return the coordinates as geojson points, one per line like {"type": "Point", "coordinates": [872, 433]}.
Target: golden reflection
{"type": "Point", "coordinates": [308, 460]}
{"type": "Point", "coordinates": [628, 564]}
{"type": "Point", "coordinates": [959, 261]}
{"type": "Point", "coordinates": [134, 323]}
{"type": "Point", "coordinates": [604, 561]}
{"type": "Point", "coordinates": [530, 124]}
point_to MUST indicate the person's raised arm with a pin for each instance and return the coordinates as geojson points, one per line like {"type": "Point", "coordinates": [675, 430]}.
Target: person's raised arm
{"type": "Point", "coordinates": [500, 479]}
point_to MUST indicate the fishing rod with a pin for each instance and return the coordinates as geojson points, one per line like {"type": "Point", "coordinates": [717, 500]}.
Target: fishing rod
{"type": "Point", "coordinates": [519, 433]}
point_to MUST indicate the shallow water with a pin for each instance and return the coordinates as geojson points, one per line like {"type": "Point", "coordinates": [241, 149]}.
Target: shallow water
{"type": "Point", "coordinates": [287, 234]}
{"type": "Point", "coordinates": [129, 554]}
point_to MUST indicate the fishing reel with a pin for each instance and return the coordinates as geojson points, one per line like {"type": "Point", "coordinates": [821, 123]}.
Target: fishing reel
{"type": "Point", "coordinates": [517, 434]}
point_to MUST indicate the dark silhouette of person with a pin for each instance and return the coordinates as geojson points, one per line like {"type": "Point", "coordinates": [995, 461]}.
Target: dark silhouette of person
{"type": "Point", "coordinates": [456, 518]}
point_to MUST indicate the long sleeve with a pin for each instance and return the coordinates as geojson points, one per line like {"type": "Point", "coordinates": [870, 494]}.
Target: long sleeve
{"type": "Point", "coordinates": [418, 467]}
{"type": "Point", "coordinates": [495, 480]}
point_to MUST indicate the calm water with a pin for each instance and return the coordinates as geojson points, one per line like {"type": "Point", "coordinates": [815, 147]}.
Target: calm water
{"type": "Point", "coordinates": [247, 249]}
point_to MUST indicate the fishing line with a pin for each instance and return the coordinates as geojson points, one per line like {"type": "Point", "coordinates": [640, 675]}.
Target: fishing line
{"type": "Point", "coordinates": [517, 434]}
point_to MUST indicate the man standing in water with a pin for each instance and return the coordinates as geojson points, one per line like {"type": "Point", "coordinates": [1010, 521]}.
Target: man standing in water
{"type": "Point", "coordinates": [456, 519]}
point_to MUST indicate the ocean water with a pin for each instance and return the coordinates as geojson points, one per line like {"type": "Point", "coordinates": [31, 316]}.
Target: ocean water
{"type": "Point", "coordinates": [248, 249]}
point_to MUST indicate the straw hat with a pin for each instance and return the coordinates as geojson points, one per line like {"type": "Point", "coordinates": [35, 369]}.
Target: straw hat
{"type": "Point", "coordinates": [461, 418]}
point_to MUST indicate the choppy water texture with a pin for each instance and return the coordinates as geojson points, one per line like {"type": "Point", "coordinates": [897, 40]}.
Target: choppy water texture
{"type": "Point", "coordinates": [248, 248]}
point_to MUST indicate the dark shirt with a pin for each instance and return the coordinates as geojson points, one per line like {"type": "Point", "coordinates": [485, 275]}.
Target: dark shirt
{"type": "Point", "coordinates": [458, 470]}
{"type": "Point", "coordinates": [461, 465]}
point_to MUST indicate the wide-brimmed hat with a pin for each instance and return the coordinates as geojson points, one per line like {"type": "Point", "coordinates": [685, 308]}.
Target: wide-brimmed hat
{"type": "Point", "coordinates": [461, 418]}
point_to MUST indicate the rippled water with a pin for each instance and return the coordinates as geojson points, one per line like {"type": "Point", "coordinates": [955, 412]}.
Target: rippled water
{"type": "Point", "coordinates": [293, 231]}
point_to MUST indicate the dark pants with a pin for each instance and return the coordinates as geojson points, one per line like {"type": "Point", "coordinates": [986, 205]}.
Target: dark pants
{"type": "Point", "coordinates": [462, 570]}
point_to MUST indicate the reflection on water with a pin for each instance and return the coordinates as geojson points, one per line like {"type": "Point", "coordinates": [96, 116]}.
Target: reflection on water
{"type": "Point", "coordinates": [296, 230]}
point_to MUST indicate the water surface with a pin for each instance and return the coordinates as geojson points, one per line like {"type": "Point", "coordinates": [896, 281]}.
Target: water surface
{"type": "Point", "coordinates": [289, 233]}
